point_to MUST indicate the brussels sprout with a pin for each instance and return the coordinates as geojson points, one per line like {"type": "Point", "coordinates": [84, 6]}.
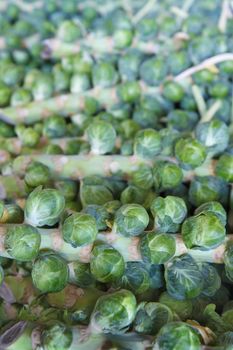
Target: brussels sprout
{"type": "Point", "coordinates": [203, 231]}
{"type": "Point", "coordinates": [135, 278]}
{"type": "Point", "coordinates": [182, 120]}
{"type": "Point", "coordinates": [101, 136]}
{"type": "Point", "coordinates": [123, 38]}
{"type": "Point", "coordinates": [178, 335]}
{"type": "Point", "coordinates": [50, 273]}
{"type": "Point", "coordinates": [184, 278]}
{"type": "Point", "coordinates": [156, 273]}
{"type": "Point", "coordinates": [151, 317]}
{"type": "Point", "coordinates": [190, 153]}
{"type": "Point", "coordinates": [82, 274]}
{"type": "Point", "coordinates": [168, 213]}
{"type": "Point", "coordinates": [219, 89]}
{"type": "Point", "coordinates": [147, 143]}
{"type": "Point", "coordinates": [6, 130]}
{"type": "Point", "coordinates": [37, 174]}
{"type": "Point", "coordinates": [215, 208]}
{"type": "Point", "coordinates": [5, 94]}
{"type": "Point", "coordinates": [114, 312]}
{"type": "Point", "coordinates": [44, 207]}
{"type": "Point", "coordinates": [106, 264]}
{"type": "Point", "coordinates": [93, 190]}
{"type": "Point", "coordinates": [104, 75]}
{"type": "Point", "coordinates": [157, 248]}
{"type": "Point", "coordinates": [131, 220]}
{"type": "Point", "coordinates": [28, 136]}
{"type": "Point", "coordinates": [214, 135]}
{"type": "Point", "coordinates": [68, 188]}
{"type": "Point", "coordinates": [129, 91]}
{"type": "Point", "coordinates": [169, 137]}
{"type": "Point", "coordinates": [211, 278]}
{"type": "Point", "coordinates": [153, 70]}
{"type": "Point", "coordinates": [20, 97]}
{"type": "Point", "coordinates": [128, 65]}
{"type": "Point", "coordinates": [79, 83]}
{"type": "Point", "coordinates": [13, 75]}
{"type": "Point", "coordinates": [22, 242]}
{"type": "Point", "coordinates": [183, 308]}
{"type": "Point", "coordinates": [227, 314]}
{"type": "Point", "coordinates": [228, 261]}
{"type": "Point", "coordinates": [142, 177]}
{"type": "Point", "coordinates": [69, 31]}
{"type": "Point", "coordinates": [226, 340]}
{"type": "Point", "coordinates": [178, 61]}
{"type": "Point", "coordinates": [129, 128]}
{"type": "Point", "coordinates": [79, 229]}
{"type": "Point", "coordinates": [57, 337]}
{"type": "Point", "coordinates": [11, 213]}
{"type": "Point", "coordinates": [208, 188]}
{"type": "Point", "coordinates": [173, 91]}
{"type": "Point", "coordinates": [61, 79]}
{"type": "Point", "coordinates": [42, 87]}
{"type": "Point", "coordinates": [133, 194]}
{"type": "Point", "coordinates": [145, 117]}
{"type": "Point", "coordinates": [100, 214]}
{"type": "Point", "coordinates": [224, 167]}
{"type": "Point", "coordinates": [147, 28]}
{"type": "Point", "coordinates": [166, 175]}
{"type": "Point", "coordinates": [53, 149]}
{"type": "Point", "coordinates": [54, 127]}
{"type": "Point", "coordinates": [1, 275]}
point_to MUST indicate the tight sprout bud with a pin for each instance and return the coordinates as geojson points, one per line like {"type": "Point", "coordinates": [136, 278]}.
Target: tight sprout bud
{"type": "Point", "coordinates": [82, 274]}
{"type": "Point", "coordinates": [142, 177]}
{"type": "Point", "coordinates": [214, 135]}
{"type": "Point", "coordinates": [182, 308]}
{"type": "Point", "coordinates": [28, 136]}
{"type": "Point", "coordinates": [104, 75]}
{"type": "Point", "coordinates": [44, 207]}
{"type": "Point", "coordinates": [224, 168]}
{"type": "Point", "coordinates": [215, 208]}
{"type": "Point", "coordinates": [166, 175]}
{"type": "Point", "coordinates": [178, 335]}
{"type": "Point", "coordinates": [173, 91]}
{"type": "Point", "coordinates": [100, 214]}
{"type": "Point", "coordinates": [57, 337]}
{"type": "Point", "coordinates": [203, 231]}
{"type": "Point", "coordinates": [208, 188]}
{"type": "Point", "coordinates": [129, 91]}
{"type": "Point", "coordinates": [190, 153]}
{"type": "Point", "coordinates": [131, 220]}
{"type": "Point", "coordinates": [53, 149]}
{"type": "Point", "coordinates": [147, 143]}
{"type": "Point", "coordinates": [228, 261]}
{"type": "Point", "coordinates": [107, 264]}
{"type": "Point", "coordinates": [182, 285]}
{"type": "Point", "coordinates": [135, 278]}
{"type": "Point", "coordinates": [69, 32]}
{"type": "Point", "coordinates": [157, 248]}
{"type": "Point", "coordinates": [5, 95]}
{"type": "Point", "coordinates": [12, 213]}
{"type": "Point", "coordinates": [20, 97]}
{"type": "Point", "coordinates": [168, 213]}
{"type": "Point", "coordinates": [37, 174]}
{"type": "Point", "coordinates": [79, 83]}
{"type": "Point", "coordinates": [54, 127]}
{"type": "Point", "coordinates": [151, 317]}
{"type": "Point", "coordinates": [50, 273]}
{"type": "Point", "coordinates": [22, 242]}
{"type": "Point", "coordinates": [79, 229]}
{"type": "Point", "coordinates": [211, 278]}
{"type": "Point", "coordinates": [101, 136]}
{"type": "Point", "coordinates": [114, 312]}
{"type": "Point", "coordinates": [123, 38]}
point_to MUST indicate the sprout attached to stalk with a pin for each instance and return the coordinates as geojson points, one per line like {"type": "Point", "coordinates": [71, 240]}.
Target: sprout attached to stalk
{"type": "Point", "coordinates": [147, 144]}
{"type": "Point", "coordinates": [50, 272]}
{"type": "Point", "coordinates": [22, 242]}
{"type": "Point", "coordinates": [190, 153]}
{"type": "Point", "coordinates": [101, 136]}
{"type": "Point", "coordinates": [79, 229]}
{"type": "Point", "coordinates": [44, 207]}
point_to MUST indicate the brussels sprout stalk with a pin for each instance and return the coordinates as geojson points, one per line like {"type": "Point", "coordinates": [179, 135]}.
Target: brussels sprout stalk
{"type": "Point", "coordinates": [127, 246]}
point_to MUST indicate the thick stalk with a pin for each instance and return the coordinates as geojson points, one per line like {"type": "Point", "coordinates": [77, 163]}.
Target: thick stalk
{"type": "Point", "coordinates": [128, 247]}
{"type": "Point", "coordinates": [77, 167]}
